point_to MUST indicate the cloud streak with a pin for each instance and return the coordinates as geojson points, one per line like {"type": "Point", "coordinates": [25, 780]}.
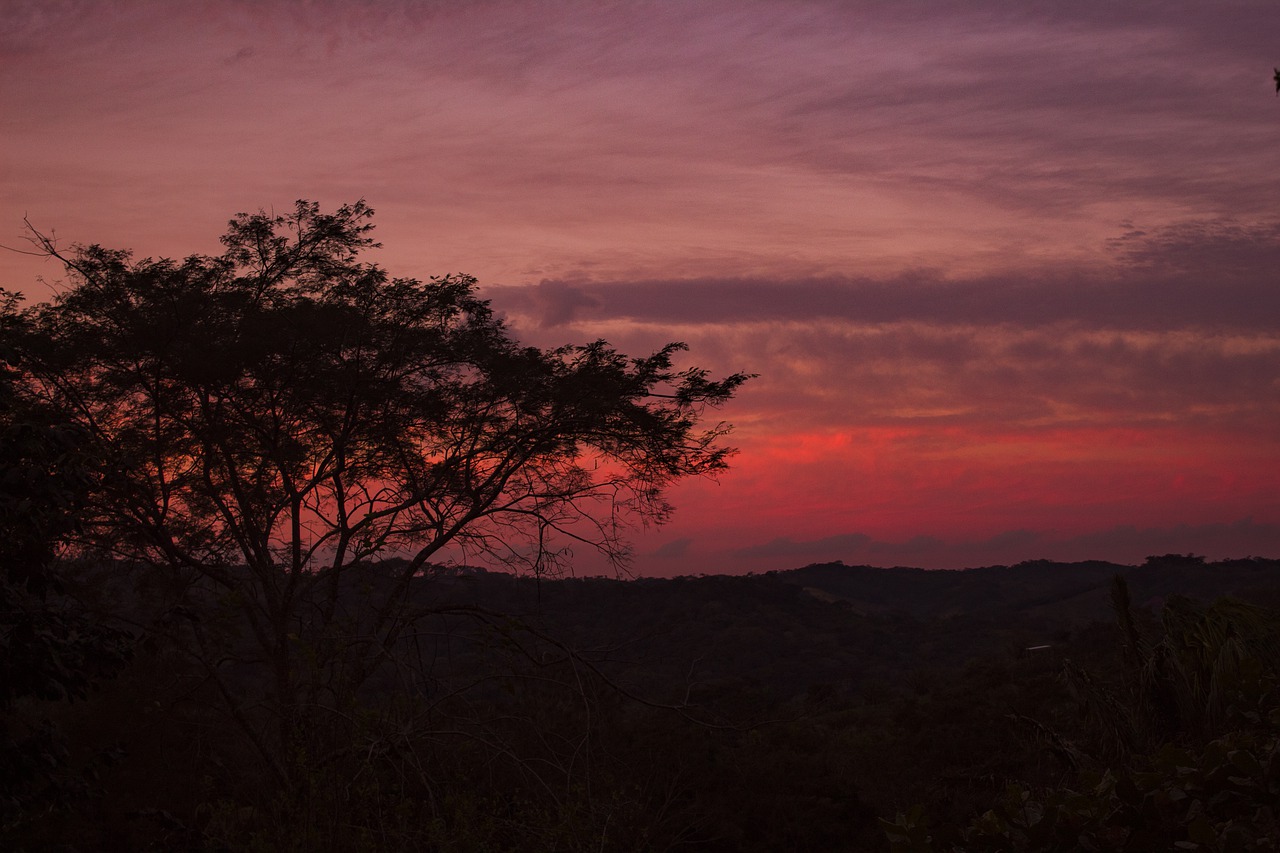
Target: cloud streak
{"type": "Point", "coordinates": [1216, 273]}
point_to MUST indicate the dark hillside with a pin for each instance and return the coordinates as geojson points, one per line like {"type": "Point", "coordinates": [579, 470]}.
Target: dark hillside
{"type": "Point", "coordinates": [788, 710]}
{"type": "Point", "coordinates": [844, 626]}
{"type": "Point", "coordinates": [1059, 593]}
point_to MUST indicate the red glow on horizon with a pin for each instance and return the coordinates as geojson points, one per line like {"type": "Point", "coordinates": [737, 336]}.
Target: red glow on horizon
{"type": "Point", "coordinates": [898, 481]}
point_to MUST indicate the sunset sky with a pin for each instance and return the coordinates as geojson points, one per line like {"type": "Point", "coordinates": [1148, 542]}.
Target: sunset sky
{"type": "Point", "coordinates": [1009, 271]}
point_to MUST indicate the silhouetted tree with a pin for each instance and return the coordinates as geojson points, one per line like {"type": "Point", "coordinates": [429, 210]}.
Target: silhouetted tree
{"type": "Point", "coordinates": [50, 648]}
{"type": "Point", "coordinates": [268, 424]}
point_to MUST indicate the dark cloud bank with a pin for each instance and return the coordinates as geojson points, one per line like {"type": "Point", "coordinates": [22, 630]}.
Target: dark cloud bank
{"type": "Point", "coordinates": [1218, 274]}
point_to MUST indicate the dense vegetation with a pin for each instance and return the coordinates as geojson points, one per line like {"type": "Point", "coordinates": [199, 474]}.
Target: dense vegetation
{"type": "Point", "coordinates": [249, 436]}
{"type": "Point", "coordinates": [804, 710]}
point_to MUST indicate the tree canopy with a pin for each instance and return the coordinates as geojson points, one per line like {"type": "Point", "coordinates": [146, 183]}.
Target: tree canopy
{"type": "Point", "coordinates": [288, 406]}
{"type": "Point", "coordinates": [264, 423]}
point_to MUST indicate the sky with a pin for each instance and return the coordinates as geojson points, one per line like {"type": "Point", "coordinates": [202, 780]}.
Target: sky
{"type": "Point", "coordinates": [1009, 271]}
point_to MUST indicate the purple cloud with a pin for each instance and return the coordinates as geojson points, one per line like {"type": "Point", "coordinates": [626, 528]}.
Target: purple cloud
{"type": "Point", "coordinates": [1216, 273]}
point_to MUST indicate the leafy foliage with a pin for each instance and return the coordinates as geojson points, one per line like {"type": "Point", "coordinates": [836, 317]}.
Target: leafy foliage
{"type": "Point", "coordinates": [287, 406]}
{"type": "Point", "coordinates": [51, 649]}
{"type": "Point", "coordinates": [280, 443]}
{"type": "Point", "coordinates": [1185, 755]}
